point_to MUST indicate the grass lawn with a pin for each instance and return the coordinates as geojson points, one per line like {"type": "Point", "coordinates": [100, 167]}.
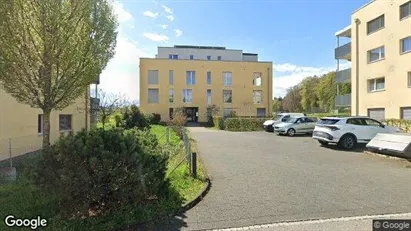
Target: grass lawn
{"type": "Point", "coordinates": [25, 200]}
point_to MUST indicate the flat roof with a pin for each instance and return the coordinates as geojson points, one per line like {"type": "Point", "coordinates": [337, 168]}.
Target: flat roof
{"type": "Point", "coordinates": [364, 6]}
{"type": "Point", "coordinates": [199, 47]}
{"type": "Point", "coordinates": [346, 32]}
{"type": "Point", "coordinates": [174, 60]}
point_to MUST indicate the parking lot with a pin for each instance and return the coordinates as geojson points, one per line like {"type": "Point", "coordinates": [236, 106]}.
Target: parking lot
{"type": "Point", "coordinates": [260, 178]}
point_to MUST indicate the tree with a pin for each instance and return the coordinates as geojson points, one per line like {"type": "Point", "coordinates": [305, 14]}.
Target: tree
{"type": "Point", "coordinates": [308, 95]}
{"type": "Point", "coordinates": [109, 103]}
{"type": "Point", "coordinates": [292, 101]}
{"type": "Point", "coordinates": [326, 91]}
{"type": "Point", "coordinates": [52, 50]}
{"type": "Point", "coordinates": [278, 104]}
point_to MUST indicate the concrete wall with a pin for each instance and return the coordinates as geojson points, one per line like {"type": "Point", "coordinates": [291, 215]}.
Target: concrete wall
{"type": "Point", "coordinates": [394, 67]}
{"type": "Point", "coordinates": [18, 124]}
{"type": "Point", "coordinates": [242, 85]}
{"type": "Point", "coordinates": [200, 54]}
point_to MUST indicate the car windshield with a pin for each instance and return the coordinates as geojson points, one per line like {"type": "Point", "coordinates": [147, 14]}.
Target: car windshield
{"type": "Point", "coordinates": [292, 120]}
{"type": "Point", "coordinates": [328, 121]}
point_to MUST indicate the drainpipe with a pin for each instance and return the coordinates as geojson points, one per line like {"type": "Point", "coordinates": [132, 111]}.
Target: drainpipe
{"type": "Point", "coordinates": [357, 65]}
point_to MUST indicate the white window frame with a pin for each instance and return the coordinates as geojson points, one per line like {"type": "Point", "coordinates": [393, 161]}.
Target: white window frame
{"type": "Point", "coordinates": [190, 78]}
{"type": "Point", "coordinates": [373, 82]}
{"type": "Point", "coordinates": [209, 77]}
{"type": "Point", "coordinates": [402, 45]}
{"type": "Point", "coordinates": [191, 57]}
{"type": "Point", "coordinates": [227, 78]}
{"type": "Point", "coordinates": [208, 57]}
{"type": "Point", "coordinates": [171, 95]}
{"type": "Point", "coordinates": [406, 5]}
{"type": "Point", "coordinates": [257, 96]}
{"type": "Point", "coordinates": [187, 95]}
{"type": "Point", "coordinates": [149, 100]}
{"type": "Point", "coordinates": [40, 122]}
{"type": "Point", "coordinates": [70, 123]}
{"type": "Point", "coordinates": [231, 96]}
{"type": "Point", "coordinates": [380, 54]}
{"type": "Point", "coordinates": [257, 79]}
{"type": "Point", "coordinates": [209, 96]}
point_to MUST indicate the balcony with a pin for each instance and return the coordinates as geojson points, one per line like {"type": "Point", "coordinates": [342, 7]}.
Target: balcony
{"type": "Point", "coordinates": [343, 76]}
{"type": "Point", "coordinates": [343, 100]}
{"type": "Point", "coordinates": [94, 103]}
{"type": "Point", "coordinates": [343, 52]}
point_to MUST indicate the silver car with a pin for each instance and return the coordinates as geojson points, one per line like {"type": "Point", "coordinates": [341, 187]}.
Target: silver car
{"type": "Point", "coordinates": [296, 125]}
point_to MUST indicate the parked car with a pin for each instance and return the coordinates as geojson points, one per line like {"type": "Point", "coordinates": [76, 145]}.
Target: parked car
{"type": "Point", "coordinates": [296, 125]}
{"type": "Point", "coordinates": [282, 117]}
{"type": "Point", "coordinates": [348, 131]}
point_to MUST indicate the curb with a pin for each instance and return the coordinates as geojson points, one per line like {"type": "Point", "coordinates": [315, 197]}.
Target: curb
{"type": "Point", "coordinates": [197, 199]}
{"type": "Point", "coordinates": [387, 156]}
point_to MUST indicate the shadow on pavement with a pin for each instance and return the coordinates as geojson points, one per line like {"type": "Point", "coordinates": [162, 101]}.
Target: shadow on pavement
{"type": "Point", "coordinates": [359, 148]}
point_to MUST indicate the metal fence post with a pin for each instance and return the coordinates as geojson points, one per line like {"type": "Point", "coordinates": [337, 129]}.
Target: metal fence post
{"type": "Point", "coordinates": [194, 164]}
{"type": "Point", "coordinates": [11, 160]}
{"type": "Point", "coordinates": [189, 154]}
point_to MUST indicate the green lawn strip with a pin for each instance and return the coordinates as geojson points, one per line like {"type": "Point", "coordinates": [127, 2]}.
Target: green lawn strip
{"type": "Point", "coordinates": [25, 200]}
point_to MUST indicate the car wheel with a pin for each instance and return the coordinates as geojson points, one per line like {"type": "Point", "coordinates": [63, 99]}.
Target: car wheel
{"type": "Point", "coordinates": [291, 132]}
{"type": "Point", "coordinates": [347, 142]}
{"type": "Point", "coordinates": [323, 143]}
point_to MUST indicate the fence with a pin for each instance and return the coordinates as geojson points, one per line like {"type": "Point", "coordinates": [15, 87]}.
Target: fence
{"type": "Point", "coordinates": [14, 148]}
{"type": "Point", "coordinates": [179, 152]}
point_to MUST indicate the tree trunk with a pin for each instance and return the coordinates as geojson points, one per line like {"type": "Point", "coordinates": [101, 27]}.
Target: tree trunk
{"type": "Point", "coordinates": [46, 127]}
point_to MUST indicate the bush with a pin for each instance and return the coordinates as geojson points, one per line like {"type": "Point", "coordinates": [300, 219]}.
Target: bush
{"type": "Point", "coordinates": [100, 171]}
{"type": "Point", "coordinates": [211, 111]}
{"type": "Point", "coordinates": [133, 118]}
{"type": "Point", "coordinates": [403, 124]}
{"type": "Point", "coordinates": [244, 124]}
{"type": "Point", "coordinates": [177, 122]}
{"type": "Point", "coordinates": [156, 118]}
{"type": "Point", "coordinates": [218, 122]}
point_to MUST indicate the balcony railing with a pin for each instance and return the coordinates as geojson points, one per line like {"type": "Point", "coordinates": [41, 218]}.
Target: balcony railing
{"type": "Point", "coordinates": [343, 100]}
{"type": "Point", "coordinates": [343, 76]}
{"type": "Point", "coordinates": [343, 52]}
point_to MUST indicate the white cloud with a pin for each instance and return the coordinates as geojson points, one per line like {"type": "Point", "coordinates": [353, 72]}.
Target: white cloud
{"type": "Point", "coordinates": [150, 14]}
{"type": "Point", "coordinates": [170, 17]}
{"type": "Point", "coordinates": [290, 75]}
{"type": "Point", "coordinates": [122, 14]}
{"type": "Point", "coordinates": [156, 37]}
{"type": "Point", "coordinates": [164, 26]}
{"type": "Point", "coordinates": [178, 32]}
{"type": "Point", "coordinates": [167, 9]}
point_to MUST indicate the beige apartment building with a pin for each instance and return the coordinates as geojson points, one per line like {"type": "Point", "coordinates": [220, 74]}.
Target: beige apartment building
{"type": "Point", "coordinates": [380, 55]}
{"type": "Point", "coordinates": [21, 126]}
{"type": "Point", "coordinates": [195, 77]}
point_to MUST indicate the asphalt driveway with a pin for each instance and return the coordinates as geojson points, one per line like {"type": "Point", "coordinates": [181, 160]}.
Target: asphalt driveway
{"type": "Point", "coordinates": [260, 178]}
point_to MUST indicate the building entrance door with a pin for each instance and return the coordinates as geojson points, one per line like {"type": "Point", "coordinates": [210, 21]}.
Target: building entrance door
{"type": "Point", "coordinates": [191, 113]}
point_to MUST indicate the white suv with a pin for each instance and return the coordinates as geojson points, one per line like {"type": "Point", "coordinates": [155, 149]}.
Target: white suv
{"type": "Point", "coordinates": [348, 131]}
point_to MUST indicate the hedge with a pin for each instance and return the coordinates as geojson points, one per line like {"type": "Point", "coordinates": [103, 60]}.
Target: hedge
{"type": "Point", "coordinates": [218, 122]}
{"type": "Point", "coordinates": [244, 124]}
{"type": "Point", "coordinates": [404, 124]}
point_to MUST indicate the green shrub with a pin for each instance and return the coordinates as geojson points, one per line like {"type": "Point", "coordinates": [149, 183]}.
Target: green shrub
{"type": "Point", "coordinates": [177, 122]}
{"type": "Point", "coordinates": [102, 171]}
{"type": "Point", "coordinates": [153, 118]}
{"type": "Point", "coordinates": [405, 125]}
{"type": "Point", "coordinates": [133, 118]}
{"type": "Point", "coordinates": [244, 124]}
{"type": "Point", "coordinates": [218, 122]}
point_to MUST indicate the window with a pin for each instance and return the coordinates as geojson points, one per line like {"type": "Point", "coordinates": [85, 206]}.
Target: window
{"type": "Point", "coordinates": [190, 77]}
{"type": "Point", "coordinates": [375, 24]}
{"type": "Point", "coordinates": [171, 96]}
{"type": "Point", "coordinates": [153, 77]}
{"type": "Point", "coordinates": [257, 79]}
{"type": "Point", "coordinates": [257, 96]}
{"type": "Point", "coordinates": [64, 123]}
{"type": "Point", "coordinates": [409, 79]}
{"type": "Point", "coordinates": [209, 97]}
{"type": "Point", "coordinates": [152, 95]}
{"type": "Point", "coordinates": [261, 112]}
{"type": "Point", "coordinates": [187, 96]}
{"type": "Point", "coordinates": [208, 57]}
{"type": "Point", "coordinates": [171, 77]}
{"type": "Point", "coordinates": [406, 44]}
{"type": "Point", "coordinates": [356, 121]}
{"type": "Point", "coordinates": [405, 10]}
{"type": "Point", "coordinates": [371, 122]}
{"type": "Point", "coordinates": [40, 124]}
{"type": "Point", "coordinates": [227, 78]}
{"type": "Point", "coordinates": [228, 96]}
{"type": "Point", "coordinates": [218, 57]}
{"type": "Point", "coordinates": [191, 56]}
{"type": "Point", "coordinates": [376, 54]}
{"type": "Point", "coordinates": [208, 77]}
{"type": "Point", "coordinates": [170, 113]}
{"type": "Point", "coordinates": [376, 84]}
{"type": "Point", "coordinates": [172, 56]}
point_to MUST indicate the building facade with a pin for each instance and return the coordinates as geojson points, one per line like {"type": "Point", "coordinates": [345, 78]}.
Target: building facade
{"type": "Point", "coordinates": [21, 127]}
{"type": "Point", "coordinates": [195, 77]}
{"type": "Point", "coordinates": [380, 54]}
